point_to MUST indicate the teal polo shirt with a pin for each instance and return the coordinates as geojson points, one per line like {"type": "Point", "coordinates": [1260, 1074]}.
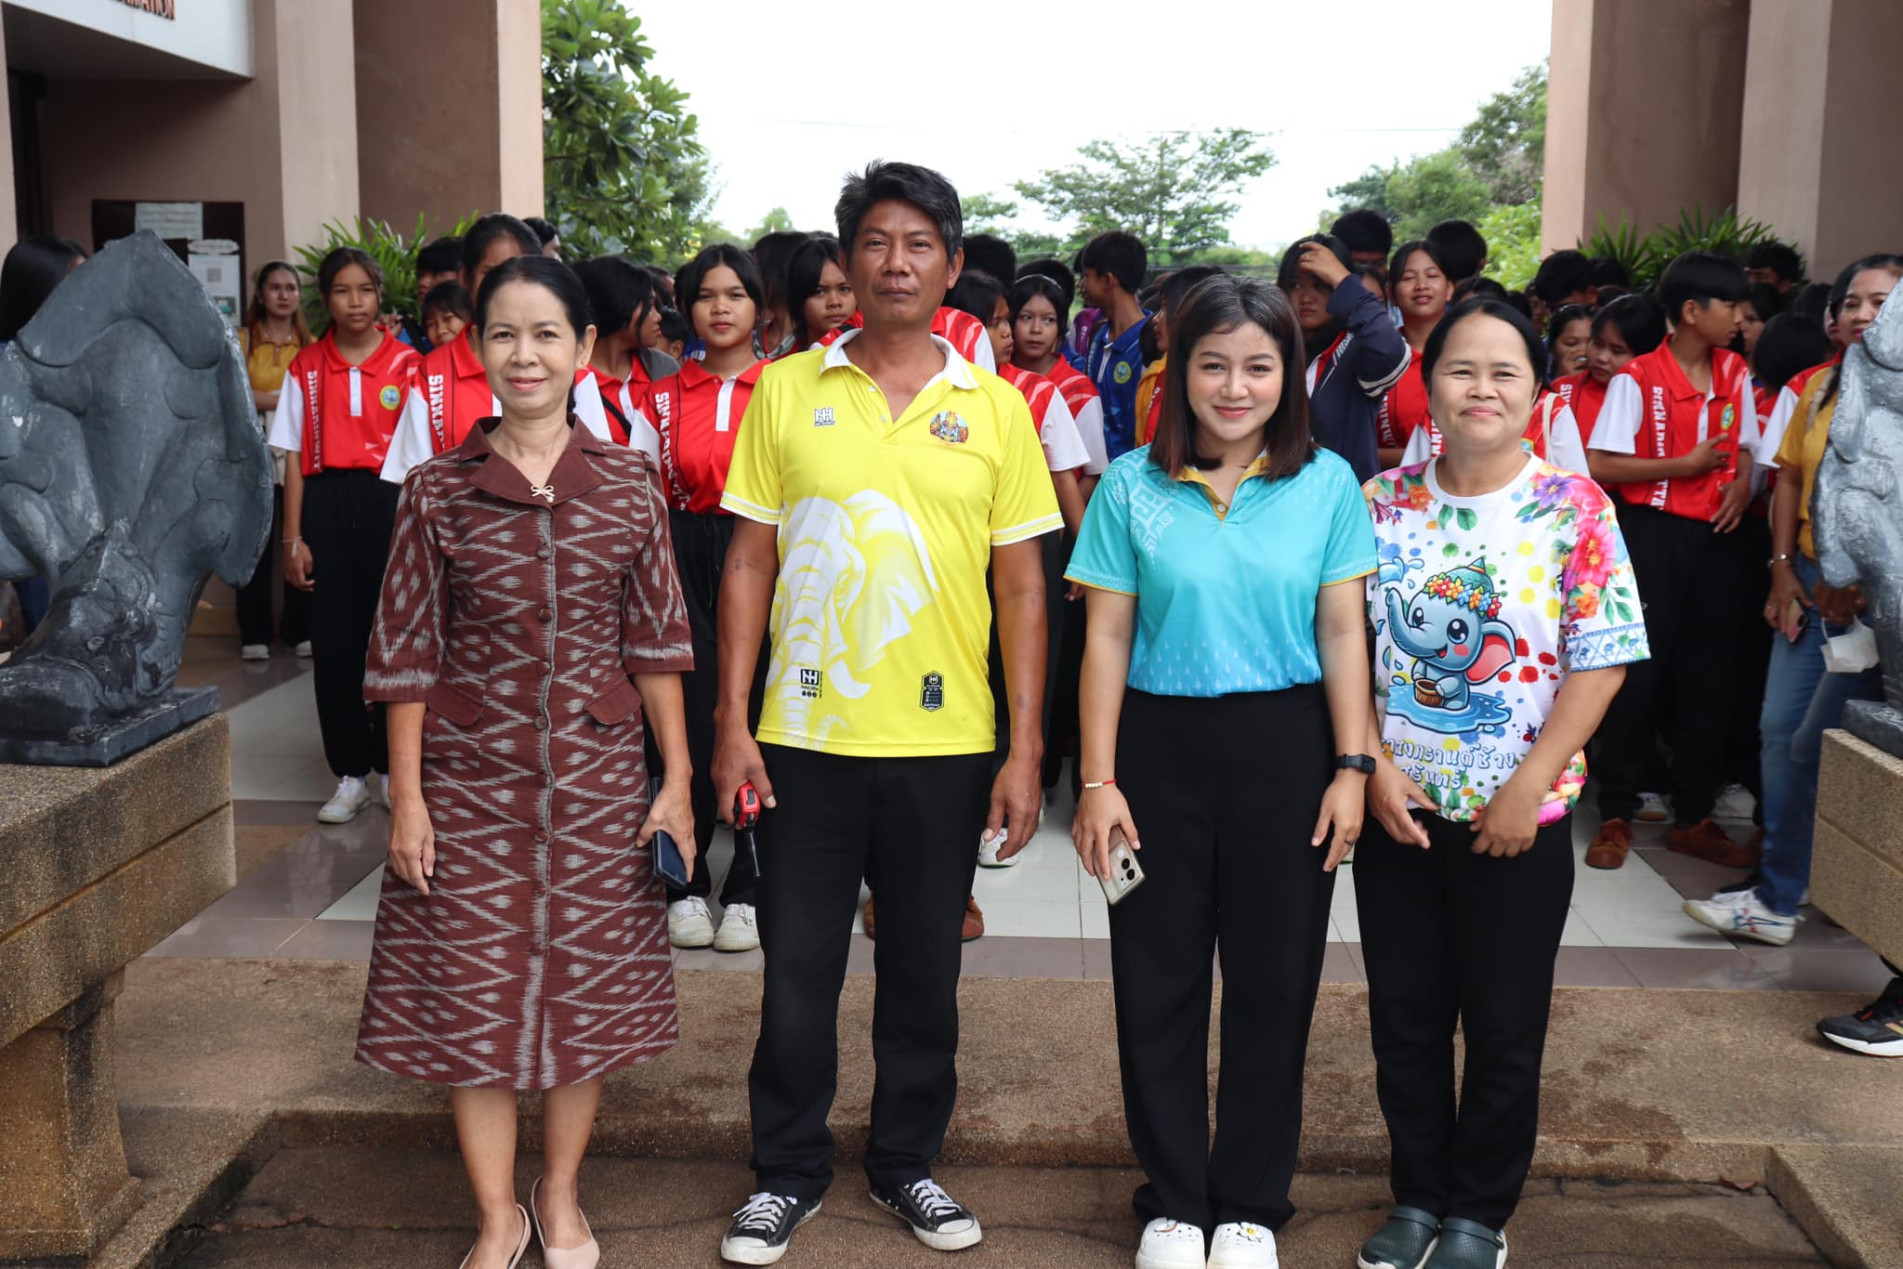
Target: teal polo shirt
{"type": "Point", "coordinates": [1225, 596]}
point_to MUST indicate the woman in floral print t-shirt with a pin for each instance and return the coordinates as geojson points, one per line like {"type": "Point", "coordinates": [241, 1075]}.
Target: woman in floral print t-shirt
{"type": "Point", "coordinates": [1504, 614]}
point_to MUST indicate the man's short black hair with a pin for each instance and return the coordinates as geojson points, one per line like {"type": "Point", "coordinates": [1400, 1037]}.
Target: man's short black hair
{"type": "Point", "coordinates": [1057, 271]}
{"type": "Point", "coordinates": [544, 229]}
{"type": "Point", "coordinates": [991, 254]}
{"type": "Point", "coordinates": [1561, 274]}
{"type": "Point", "coordinates": [445, 255]}
{"type": "Point", "coordinates": [906, 182]}
{"type": "Point", "coordinates": [1607, 271]}
{"type": "Point", "coordinates": [1461, 246]}
{"type": "Point", "coordinates": [1703, 276]}
{"type": "Point", "coordinates": [1119, 255]}
{"type": "Point", "coordinates": [1779, 257]}
{"type": "Point", "coordinates": [1364, 230]}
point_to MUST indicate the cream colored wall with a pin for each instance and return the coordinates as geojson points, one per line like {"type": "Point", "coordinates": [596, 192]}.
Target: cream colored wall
{"type": "Point", "coordinates": [9, 218]}
{"type": "Point", "coordinates": [519, 104]}
{"type": "Point", "coordinates": [1780, 160]}
{"type": "Point", "coordinates": [1860, 199]}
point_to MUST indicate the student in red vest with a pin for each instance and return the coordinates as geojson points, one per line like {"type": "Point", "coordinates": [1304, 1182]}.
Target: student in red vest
{"type": "Point", "coordinates": [819, 294]}
{"type": "Point", "coordinates": [451, 391]}
{"type": "Point", "coordinates": [696, 414]}
{"type": "Point", "coordinates": [1674, 440]}
{"type": "Point", "coordinates": [335, 416]}
{"type": "Point", "coordinates": [1421, 290]}
{"type": "Point", "coordinates": [628, 303]}
{"type": "Point", "coordinates": [1628, 327]}
{"type": "Point", "coordinates": [1040, 307]}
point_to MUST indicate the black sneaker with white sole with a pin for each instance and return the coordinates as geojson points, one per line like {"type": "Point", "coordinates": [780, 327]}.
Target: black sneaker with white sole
{"type": "Point", "coordinates": [940, 1221]}
{"type": "Point", "coordinates": [1875, 1030]}
{"type": "Point", "coordinates": [763, 1227]}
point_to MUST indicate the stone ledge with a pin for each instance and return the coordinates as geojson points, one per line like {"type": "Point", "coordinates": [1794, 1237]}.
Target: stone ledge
{"type": "Point", "coordinates": [1844, 1199]}
{"type": "Point", "coordinates": [1860, 794]}
{"type": "Point", "coordinates": [55, 955]}
{"type": "Point", "coordinates": [62, 828]}
{"type": "Point", "coordinates": [1860, 888]}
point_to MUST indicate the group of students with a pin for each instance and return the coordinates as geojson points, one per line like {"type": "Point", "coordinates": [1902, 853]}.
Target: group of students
{"type": "Point", "coordinates": [1342, 548]}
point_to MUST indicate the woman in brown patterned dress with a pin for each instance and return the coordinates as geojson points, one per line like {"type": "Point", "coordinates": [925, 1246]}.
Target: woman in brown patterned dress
{"type": "Point", "coordinates": [521, 939]}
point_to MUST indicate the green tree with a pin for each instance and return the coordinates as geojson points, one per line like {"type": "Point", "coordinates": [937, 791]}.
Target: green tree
{"type": "Point", "coordinates": [1369, 190]}
{"type": "Point", "coordinates": [623, 170]}
{"type": "Point", "coordinates": [1435, 187]}
{"type": "Point", "coordinates": [1173, 190]}
{"type": "Point", "coordinates": [1512, 231]}
{"type": "Point", "coordinates": [1505, 144]}
{"type": "Point", "coordinates": [989, 214]}
{"type": "Point", "coordinates": [777, 221]}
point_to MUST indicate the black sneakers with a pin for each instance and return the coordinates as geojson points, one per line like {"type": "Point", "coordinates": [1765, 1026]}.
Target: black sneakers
{"type": "Point", "coordinates": [1876, 1030]}
{"type": "Point", "coordinates": [939, 1220]}
{"type": "Point", "coordinates": [762, 1228]}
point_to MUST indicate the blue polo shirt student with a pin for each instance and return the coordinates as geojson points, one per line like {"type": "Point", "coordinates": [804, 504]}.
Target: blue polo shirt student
{"type": "Point", "coordinates": [1225, 705]}
{"type": "Point", "coordinates": [1113, 265]}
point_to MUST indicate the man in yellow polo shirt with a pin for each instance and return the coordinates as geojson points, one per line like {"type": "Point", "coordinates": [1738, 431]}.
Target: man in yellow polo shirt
{"type": "Point", "coordinates": [873, 483]}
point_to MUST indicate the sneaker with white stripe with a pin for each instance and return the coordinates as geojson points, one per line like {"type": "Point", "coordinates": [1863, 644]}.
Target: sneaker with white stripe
{"type": "Point", "coordinates": [1741, 914]}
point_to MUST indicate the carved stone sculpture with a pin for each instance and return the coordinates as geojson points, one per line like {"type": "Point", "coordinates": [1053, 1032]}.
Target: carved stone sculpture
{"type": "Point", "coordinates": [1857, 511]}
{"type": "Point", "coordinates": [131, 467]}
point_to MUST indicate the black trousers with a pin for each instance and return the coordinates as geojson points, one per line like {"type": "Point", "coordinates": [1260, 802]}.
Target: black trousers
{"type": "Point", "coordinates": [348, 519]}
{"type": "Point", "coordinates": [918, 820]}
{"type": "Point", "coordinates": [1688, 579]}
{"type": "Point", "coordinates": [700, 551]}
{"type": "Point", "coordinates": [1223, 792]}
{"type": "Point", "coordinates": [1052, 546]}
{"type": "Point", "coordinates": [1060, 726]}
{"type": "Point", "coordinates": [255, 617]}
{"type": "Point", "coordinates": [1753, 666]}
{"type": "Point", "coordinates": [1450, 936]}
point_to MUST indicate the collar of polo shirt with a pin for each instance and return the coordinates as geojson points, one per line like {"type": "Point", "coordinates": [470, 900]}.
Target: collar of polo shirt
{"type": "Point", "coordinates": [957, 369]}
{"type": "Point", "coordinates": [1193, 476]}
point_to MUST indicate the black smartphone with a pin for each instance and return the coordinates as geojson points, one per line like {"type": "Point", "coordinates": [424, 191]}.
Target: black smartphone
{"type": "Point", "coordinates": [669, 866]}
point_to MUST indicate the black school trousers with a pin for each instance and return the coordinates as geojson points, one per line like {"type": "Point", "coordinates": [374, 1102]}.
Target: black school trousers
{"type": "Point", "coordinates": [1448, 936]}
{"type": "Point", "coordinates": [917, 821]}
{"type": "Point", "coordinates": [700, 541]}
{"type": "Point", "coordinates": [1223, 792]}
{"type": "Point", "coordinates": [348, 519]}
{"type": "Point", "coordinates": [255, 618]}
{"type": "Point", "coordinates": [1689, 579]}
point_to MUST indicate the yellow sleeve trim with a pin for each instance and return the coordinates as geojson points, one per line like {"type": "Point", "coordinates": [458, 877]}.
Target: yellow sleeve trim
{"type": "Point", "coordinates": [1112, 590]}
{"type": "Point", "coordinates": [1025, 532]}
{"type": "Point", "coordinates": [748, 510]}
{"type": "Point", "coordinates": [1346, 577]}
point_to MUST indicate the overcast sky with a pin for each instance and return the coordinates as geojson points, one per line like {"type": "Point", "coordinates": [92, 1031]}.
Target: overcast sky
{"type": "Point", "coordinates": [790, 97]}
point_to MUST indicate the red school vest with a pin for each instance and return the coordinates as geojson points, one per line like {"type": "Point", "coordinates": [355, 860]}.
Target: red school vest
{"type": "Point", "coordinates": [953, 325]}
{"type": "Point", "coordinates": [1674, 417]}
{"type": "Point", "coordinates": [350, 412]}
{"type": "Point", "coordinates": [698, 418]}
{"type": "Point", "coordinates": [455, 392]}
{"type": "Point", "coordinates": [1403, 407]}
{"type": "Point", "coordinates": [1074, 384]}
{"type": "Point", "coordinates": [1583, 395]}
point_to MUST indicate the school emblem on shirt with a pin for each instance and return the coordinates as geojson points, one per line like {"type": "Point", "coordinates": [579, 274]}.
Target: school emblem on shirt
{"type": "Point", "coordinates": [931, 693]}
{"type": "Point", "coordinates": [389, 398]}
{"type": "Point", "coordinates": [1727, 417]}
{"type": "Point", "coordinates": [949, 428]}
{"type": "Point", "coordinates": [1122, 373]}
{"type": "Point", "coordinates": [823, 416]}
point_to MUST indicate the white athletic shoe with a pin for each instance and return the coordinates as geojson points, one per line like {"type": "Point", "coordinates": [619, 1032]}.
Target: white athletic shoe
{"type": "Point", "coordinates": [988, 848]}
{"type": "Point", "coordinates": [738, 930]}
{"type": "Point", "coordinates": [1240, 1245]}
{"type": "Point", "coordinates": [255, 652]}
{"type": "Point", "coordinates": [1741, 914]}
{"type": "Point", "coordinates": [303, 649]}
{"type": "Point", "coordinates": [689, 923]}
{"type": "Point", "coordinates": [1734, 803]}
{"type": "Point", "coordinates": [352, 795]}
{"type": "Point", "coordinates": [1169, 1244]}
{"type": "Point", "coordinates": [1652, 809]}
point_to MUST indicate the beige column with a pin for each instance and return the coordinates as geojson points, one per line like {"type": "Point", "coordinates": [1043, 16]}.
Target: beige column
{"type": "Point", "coordinates": [449, 109]}
{"type": "Point", "coordinates": [1816, 161]}
{"type": "Point", "coordinates": [1643, 112]}
{"type": "Point", "coordinates": [9, 218]}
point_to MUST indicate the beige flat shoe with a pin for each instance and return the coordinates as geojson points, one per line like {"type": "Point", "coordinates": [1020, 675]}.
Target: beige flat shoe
{"type": "Point", "coordinates": [521, 1248]}
{"type": "Point", "coordinates": [586, 1256]}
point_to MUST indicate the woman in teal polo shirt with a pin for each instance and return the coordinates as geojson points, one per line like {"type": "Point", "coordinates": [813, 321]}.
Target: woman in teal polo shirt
{"type": "Point", "coordinates": [1226, 652]}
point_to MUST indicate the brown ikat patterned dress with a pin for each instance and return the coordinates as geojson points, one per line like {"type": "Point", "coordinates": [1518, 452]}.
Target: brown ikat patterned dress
{"type": "Point", "coordinates": [540, 956]}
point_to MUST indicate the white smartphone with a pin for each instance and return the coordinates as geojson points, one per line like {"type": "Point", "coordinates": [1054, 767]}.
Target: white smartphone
{"type": "Point", "coordinates": [1125, 873]}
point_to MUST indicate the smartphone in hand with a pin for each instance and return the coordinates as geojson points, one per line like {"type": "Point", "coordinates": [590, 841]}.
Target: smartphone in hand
{"type": "Point", "coordinates": [1125, 873]}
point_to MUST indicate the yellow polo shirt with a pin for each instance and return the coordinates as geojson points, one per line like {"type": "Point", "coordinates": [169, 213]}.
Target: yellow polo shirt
{"type": "Point", "coordinates": [1801, 452]}
{"type": "Point", "coordinates": [880, 620]}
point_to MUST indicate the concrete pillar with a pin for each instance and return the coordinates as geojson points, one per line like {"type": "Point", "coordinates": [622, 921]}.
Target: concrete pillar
{"type": "Point", "coordinates": [9, 218]}
{"type": "Point", "coordinates": [1643, 113]}
{"type": "Point", "coordinates": [449, 109]}
{"type": "Point", "coordinates": [1815, 160]}
{"type": "Point", "coordinates": [313, 51]}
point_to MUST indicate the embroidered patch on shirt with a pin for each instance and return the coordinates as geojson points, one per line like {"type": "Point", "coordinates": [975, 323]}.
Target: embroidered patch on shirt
{"type": "Point", "coordinates": [949, 428]}
{"type": "Point", "coordinates": [389, 398]}
{"type": "Point", "coordinates": [823, 416]}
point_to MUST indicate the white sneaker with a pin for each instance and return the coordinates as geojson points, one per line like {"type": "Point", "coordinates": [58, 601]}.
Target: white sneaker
{"type": "Point", "coordinates": [303, 649]}
{"type": "Point", "coordinates": [352, 795]}
{"type": "Point", "coordinates": [1652, 809]}
{"type": "Point", "coordinates": [738, 930]}
{"type": "Point", "coordinates": [988, 848]}
{"type": "Point", "coordinates": [255, 652]}
{"type": "Point", "coordinates": [1734, 803]}
{"type": "Point", "coordinates": [1240, 1245]}
{"type": "Point", "coordinates": [1169, 1244]}
{"type": "Point", "coordinates": [1741, 914]}
{"type": "Point", "coordinates": [689, 923]}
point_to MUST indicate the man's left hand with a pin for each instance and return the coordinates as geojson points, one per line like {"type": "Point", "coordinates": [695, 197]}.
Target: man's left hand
{"type": "Point", "coordinates": [1015, 795]}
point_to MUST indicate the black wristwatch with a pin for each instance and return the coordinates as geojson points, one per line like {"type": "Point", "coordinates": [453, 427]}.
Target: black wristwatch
{"type": "Point", "coordinates": [1356, 762]}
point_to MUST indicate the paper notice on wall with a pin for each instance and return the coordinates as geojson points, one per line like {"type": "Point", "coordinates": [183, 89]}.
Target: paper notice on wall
{"type": "Point", "coordinates": [221, 279]}
{"type": "Point", "coordinates": [170, 220]}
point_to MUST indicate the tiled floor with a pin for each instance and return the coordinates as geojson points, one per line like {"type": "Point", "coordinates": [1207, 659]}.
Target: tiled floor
{"type": "Point", "coordinates": [1044, 918]}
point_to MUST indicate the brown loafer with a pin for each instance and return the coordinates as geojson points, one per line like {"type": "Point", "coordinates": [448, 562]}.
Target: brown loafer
{"type": "Point", "coordinates": [974, 919]}
{"type": "Point", "coordinates": [869, 933]}
{"type": "Point", "coordinates": [1705, 840]}
{"type": "Point", "coordinates": [1610, 847]}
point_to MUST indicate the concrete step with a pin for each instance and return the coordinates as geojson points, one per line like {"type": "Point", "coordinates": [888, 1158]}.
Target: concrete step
{"type": "Point", "coordinates": [397, 1209]}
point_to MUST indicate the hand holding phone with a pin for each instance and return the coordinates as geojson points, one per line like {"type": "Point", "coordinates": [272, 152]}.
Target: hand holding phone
{"type": "Point", "coordinates": [1125, 873]}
